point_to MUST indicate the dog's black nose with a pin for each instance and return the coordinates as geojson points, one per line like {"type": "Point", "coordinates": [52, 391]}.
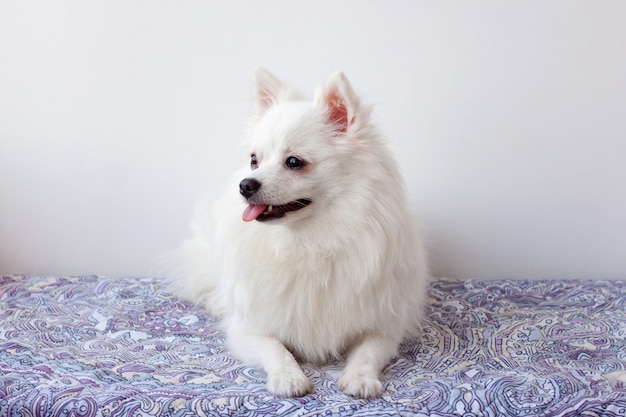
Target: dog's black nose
{"type": "Point", "coordinates": [248, 187]}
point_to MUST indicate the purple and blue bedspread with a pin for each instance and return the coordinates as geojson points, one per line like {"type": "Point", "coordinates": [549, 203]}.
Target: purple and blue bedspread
{"type": "Point", "coordinates": [91, 346]}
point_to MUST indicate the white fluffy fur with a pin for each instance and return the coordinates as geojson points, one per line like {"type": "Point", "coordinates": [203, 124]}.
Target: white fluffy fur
{"type": "Point", "coordinates": [345, 275]}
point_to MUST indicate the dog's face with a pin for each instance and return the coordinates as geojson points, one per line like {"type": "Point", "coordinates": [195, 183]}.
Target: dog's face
{"type": "Point", "coordinates": [298, 152]}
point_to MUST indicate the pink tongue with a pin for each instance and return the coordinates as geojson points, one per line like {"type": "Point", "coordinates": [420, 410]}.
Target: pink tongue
{"type": "Point", "coordinates": [252, 212]}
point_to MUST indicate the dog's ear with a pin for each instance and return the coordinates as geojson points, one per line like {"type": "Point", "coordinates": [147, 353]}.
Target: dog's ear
{"type": "Point", "coordinates": [341, 103]}
{"type": "Point", "coordinates": [268, 90]}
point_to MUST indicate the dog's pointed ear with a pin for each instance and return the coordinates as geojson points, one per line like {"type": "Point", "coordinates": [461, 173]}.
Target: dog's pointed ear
{"type": "Point", "coordinates": [268, 90]}
{"type": "Point", "coordinates": [341, 103]}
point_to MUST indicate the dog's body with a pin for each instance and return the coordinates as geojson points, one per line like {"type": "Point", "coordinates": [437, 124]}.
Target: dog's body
{"type": "Point", "coordinates": [324, 261]}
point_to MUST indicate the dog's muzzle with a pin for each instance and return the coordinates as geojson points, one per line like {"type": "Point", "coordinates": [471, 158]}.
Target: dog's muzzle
{"type": "Point", "coordinates": [263, 212]}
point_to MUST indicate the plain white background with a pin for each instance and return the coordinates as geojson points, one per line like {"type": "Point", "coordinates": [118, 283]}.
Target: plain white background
{"type": "Point", "coordinates": [508, 119]}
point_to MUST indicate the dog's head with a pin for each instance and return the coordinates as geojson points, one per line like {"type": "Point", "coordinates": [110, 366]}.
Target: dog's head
{"type": "Point", "coordinates": [300, 152]}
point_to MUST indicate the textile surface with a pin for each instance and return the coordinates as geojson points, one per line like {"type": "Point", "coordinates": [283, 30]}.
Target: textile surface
{"type": "Point", "coordinates": [92, 346]}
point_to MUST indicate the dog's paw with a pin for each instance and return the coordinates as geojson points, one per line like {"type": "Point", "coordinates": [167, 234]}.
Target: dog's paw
{"type": "Point", "coordinates": [289, 383]}
{"type": "Point", "coordinates": [360, 386]}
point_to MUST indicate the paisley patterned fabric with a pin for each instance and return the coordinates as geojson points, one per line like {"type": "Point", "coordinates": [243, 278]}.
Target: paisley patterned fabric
{"type": "Point", "coordinates": [91, 346]}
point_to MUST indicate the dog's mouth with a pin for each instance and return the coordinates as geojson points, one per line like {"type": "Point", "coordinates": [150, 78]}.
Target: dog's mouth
{"type": "Point", "coordinates": [262, 212]}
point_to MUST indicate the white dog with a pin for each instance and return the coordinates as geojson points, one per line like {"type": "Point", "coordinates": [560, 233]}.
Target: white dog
{"type": "Point", "coordinates": [311, 255]}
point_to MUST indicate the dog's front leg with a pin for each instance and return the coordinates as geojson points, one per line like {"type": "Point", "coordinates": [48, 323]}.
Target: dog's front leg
{"type": "Point", "coordinates": [364, 362]}
{"type": "Point", "coordinates": [284, 376]}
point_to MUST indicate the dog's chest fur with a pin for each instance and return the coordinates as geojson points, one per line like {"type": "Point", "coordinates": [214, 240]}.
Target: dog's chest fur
{"type": "Point", "coordinates": [311, 300]}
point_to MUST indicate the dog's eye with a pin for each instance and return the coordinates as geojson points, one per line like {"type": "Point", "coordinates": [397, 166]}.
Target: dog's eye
{"type": "Point", "coordinates": [254, 164]}
{"type": "Point", "coordinates": [294, 163]}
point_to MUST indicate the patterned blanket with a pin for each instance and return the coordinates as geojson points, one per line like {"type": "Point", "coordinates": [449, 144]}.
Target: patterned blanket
{"type": "Point", "coordinates": [91, 346]}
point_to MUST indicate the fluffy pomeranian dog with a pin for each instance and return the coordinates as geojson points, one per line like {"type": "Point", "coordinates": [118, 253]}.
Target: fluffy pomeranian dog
{"type": "Point", "coordinates": [311, 256]}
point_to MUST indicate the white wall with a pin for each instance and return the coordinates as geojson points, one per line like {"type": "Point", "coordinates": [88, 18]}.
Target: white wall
{"type": "Point", "coordinates": [508, 118]}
